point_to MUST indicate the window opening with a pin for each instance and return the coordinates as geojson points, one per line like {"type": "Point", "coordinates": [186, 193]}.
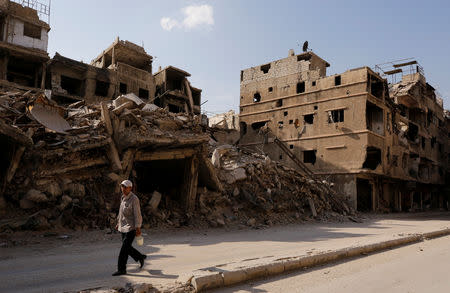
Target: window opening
{"type": "Point", "coordinates": [265, 68]}
{"type": "Point", "coordinates": [337, 80]}
{"type": "Point", "coordinates": [256, 98]}
{"type": "Point", "coordinates": [123, 88]}
{"type": "Point", "coordinates": [300, 87]}
{"type": "Point", "coordinates": [258, 125]}
{"type": "Point", "coordinates": [31, 30]}
{"type": "Point", "coordinates": [101, 88]}
{"type": "Point", "coordinates": [270, 89]}
{"type": "Point", "coordinates": [73, 86]}
{"type": "Point", "coordinates": [309, 156]}
{"type": "Point", "coordinates": [143, 93]}
{"type": "Point", "coordinates": [279, 103]}
{"type": "Point", "coordinates": [373, 158]}
{"type": "Point", "coordinates": [374, 118]}
{"type": "Point", "coordinates": [336, 116]}
{"type": "Point", "coordinates": [376, 87]}
{"type": "Point", "coordinates": [309, 119]}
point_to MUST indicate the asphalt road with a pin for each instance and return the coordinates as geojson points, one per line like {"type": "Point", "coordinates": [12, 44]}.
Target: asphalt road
{"type": "Point", "coordinates": [421, 267]}
{"type": "Point", "coordinates": [87, 259]}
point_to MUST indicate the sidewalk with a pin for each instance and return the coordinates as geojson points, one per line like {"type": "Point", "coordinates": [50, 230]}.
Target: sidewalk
{"type": "Point", "coordinates": [79, 264]}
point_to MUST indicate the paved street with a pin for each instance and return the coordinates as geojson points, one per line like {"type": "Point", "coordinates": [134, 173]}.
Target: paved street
{"type": "Point", "coordinates": [421, 267]}
{"type": "Point", "coordinates": [86, 260]}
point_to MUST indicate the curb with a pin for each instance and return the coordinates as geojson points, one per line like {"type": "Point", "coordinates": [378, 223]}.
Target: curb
{"type": "Point", "coordinates": [279, 266]}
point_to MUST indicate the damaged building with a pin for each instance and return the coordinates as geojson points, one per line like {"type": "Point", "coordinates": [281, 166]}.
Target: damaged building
{"type": "Point", "coordinates": [120, 69]}
{"type": "Point", "coordinates": [23, 45]}
{"type": "Point", "coordinates": [174, 91]}
{"type": "Point", "coordinates": [381, 144]}
{"type": "Point", "coordinates": [70, 131]}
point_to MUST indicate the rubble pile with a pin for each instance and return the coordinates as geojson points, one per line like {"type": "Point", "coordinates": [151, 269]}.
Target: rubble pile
{"type": "Point", "coordinates": [64, 166]}
{"type": "Point", "coordinates": [68, 161]}
{"type": "Point", "coordinates": [259, 191]}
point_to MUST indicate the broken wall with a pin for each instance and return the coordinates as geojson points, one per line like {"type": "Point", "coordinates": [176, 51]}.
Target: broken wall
{"type": "Point", "coordinates": [24, 34]}
{"type": "Point", "coordinates": [325, 118]}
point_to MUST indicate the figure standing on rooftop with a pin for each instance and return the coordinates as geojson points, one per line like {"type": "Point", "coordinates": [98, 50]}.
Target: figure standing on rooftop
{"type": "Point", "coordinates": [129, 224]}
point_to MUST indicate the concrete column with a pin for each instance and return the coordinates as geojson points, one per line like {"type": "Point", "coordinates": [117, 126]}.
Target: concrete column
{"type": "Point", "coordinates": [4, 67]}
{"type": "Point", "coordinates": [421, 201]}
{"type": "Point", "coordinates": [44, 73]}
{"type": "Point", "coordinates": [113, 61]}
{"type": "Point", "coordinates": [89, 87]}
{"type": "Point", "coordinates": [190, 183]}
{"type": "Point", "coordinates": [411, 199]}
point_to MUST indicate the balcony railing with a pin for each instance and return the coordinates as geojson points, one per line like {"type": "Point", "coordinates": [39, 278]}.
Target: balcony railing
{"type": "Point", "coordinates": [42, 7]}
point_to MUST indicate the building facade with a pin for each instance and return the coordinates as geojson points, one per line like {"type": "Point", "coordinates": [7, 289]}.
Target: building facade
{"type": "Point", "coordinates": [347, 128]}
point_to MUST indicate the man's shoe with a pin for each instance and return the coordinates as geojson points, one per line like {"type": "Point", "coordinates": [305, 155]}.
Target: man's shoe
{"type": "Point", "coordinates": [141, 261]}
{"type": "Point", "coordinates": [119, 273]}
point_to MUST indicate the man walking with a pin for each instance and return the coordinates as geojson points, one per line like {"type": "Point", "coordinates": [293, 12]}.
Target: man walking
{"type": "Point", "coordinates": [129, 224]}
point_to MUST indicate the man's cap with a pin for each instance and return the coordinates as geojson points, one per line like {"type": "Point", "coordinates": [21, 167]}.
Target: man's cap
{"type": "Point", "coordinates": [127, 183]}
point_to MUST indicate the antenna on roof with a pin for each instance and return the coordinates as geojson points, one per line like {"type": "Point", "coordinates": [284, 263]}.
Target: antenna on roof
{"type": "Point", "coordinates": [305, 46]}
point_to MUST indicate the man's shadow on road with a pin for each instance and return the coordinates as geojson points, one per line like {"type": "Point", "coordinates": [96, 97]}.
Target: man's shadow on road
{"type": "Point", "coordinates": [154, 274]}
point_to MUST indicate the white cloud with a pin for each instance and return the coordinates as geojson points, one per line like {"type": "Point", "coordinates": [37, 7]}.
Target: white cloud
{"type": "Point", "coordinates": [198, 15]}
{"type": "Point", "coordinates": [168, 24]}
{"type": "Point", "coordinates": [194, 17]}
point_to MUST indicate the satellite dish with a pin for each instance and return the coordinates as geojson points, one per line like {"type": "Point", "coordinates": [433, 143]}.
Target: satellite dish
{"type": "Point", "coordinates": [305, 46]}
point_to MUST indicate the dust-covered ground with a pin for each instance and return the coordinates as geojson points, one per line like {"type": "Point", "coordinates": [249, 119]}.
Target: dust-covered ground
{"type": "Point", "coordinates": [76, 260]}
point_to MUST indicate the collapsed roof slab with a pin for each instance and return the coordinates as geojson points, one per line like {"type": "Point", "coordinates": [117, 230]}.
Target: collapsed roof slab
{"type": "Point", "coordinates": [125, 52]}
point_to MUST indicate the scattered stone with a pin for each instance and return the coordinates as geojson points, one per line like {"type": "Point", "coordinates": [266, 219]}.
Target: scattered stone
{"type": "Point", "coordinates": [220, 222]}
{"type": "Point", "coordinates": [65, 201]}
{"type": "Point", "coordinates": [53, 190]}
{"type": "Point", "coordinates": [154, 201]}
{"type": "Point", "coordinates": [75, 190]}
{"type": "Point", "coordinates": [26, 204]}
{"type": "Point", "coordinates": [36, 196]}
{"type": "Point", "coordinates": [251, 222]}
{"type": "Point", "coordinates": [142, 288]}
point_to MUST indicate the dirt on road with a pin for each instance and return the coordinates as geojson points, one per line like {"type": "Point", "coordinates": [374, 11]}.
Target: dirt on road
{"type": "Point", "coordinates": [80, 260]}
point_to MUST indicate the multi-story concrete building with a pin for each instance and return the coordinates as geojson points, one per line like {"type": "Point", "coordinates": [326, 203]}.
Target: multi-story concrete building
{"type": "Point", "coordinates": [347, 129]}
{"type": "Point", "coordinates": [23, 44]}
{"type": "Point", "coordinates": [122, 68]}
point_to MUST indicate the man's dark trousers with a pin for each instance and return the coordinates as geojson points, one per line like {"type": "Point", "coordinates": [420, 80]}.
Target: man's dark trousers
{"type": "Point", "coordinates": [127, 250]}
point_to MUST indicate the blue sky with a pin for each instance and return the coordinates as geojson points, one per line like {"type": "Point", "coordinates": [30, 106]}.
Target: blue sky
{"type": "Point", "coordinates": [217, 38]}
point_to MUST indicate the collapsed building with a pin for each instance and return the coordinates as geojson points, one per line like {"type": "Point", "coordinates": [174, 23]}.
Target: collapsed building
{"type": "Point", "coordinates": [70, 132]}
{"type": "Point", "coordinates": [122, 68]}
{"type": "Point", "coordinates": [381, 144]}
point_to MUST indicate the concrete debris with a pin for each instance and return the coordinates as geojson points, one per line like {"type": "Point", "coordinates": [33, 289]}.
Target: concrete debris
{"type": "Point", "coordinates": [72, 167]}
{"type": "Point", "coordinates": [154, 201]}
{"type": "Point", "coordinates": [126, 98]}
{"type": "Point", "coordinates": [71, 178]}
